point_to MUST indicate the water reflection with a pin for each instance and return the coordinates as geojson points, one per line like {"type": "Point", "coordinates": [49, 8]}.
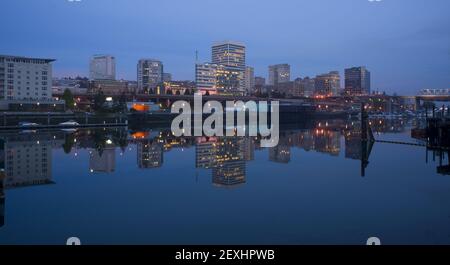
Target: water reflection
{"type": "Point", "coordinates": [26, 157]}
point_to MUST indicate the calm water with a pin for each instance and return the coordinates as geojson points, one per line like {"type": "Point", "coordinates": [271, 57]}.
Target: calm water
{"type": "Point", "coordinates": [144, 186]}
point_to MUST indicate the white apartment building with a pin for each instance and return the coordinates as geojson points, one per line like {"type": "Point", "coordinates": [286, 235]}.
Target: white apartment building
{"type": "Point", "coordinates": [23, 78]}
{"type": "Point", "coordinates": [102, 67]}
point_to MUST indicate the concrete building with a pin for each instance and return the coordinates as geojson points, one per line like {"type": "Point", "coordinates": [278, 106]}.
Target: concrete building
{"type": "Point", "coordinates": [149, 74]}
{"type": "Point", "coordinates": [102, 67]}
{"type": "Point", "coordinates": [279, 73]}
{"type": "Point", "coordinates": [26, 84]}
{"type": "Point", "coordinates": [108, 87]}
{"type": "Point", "coordinates": [328, 85]}
{"type": "Point", "coordinates": [357, 81]}
{"type": "Point", "coordinates": [218, 79]}
{"type": "Point", "coordinates": [249, 80]}
{"type": "Point", "coordinates": [24, 78]}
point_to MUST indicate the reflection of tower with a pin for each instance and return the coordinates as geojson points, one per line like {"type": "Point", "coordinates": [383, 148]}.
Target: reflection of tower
{"type": "Point", "coordinates": [226, 156]}
{"type": "Point", "coordinates": [204, 153]}
{"type": "Point", "coordinates": [280, 153]}
{"type": "Point", "coordinates": [103, 160]}
{"type": "Point", "coordinates": [249, 149]}
{"type": "Point", "coordinates": [149, 154]}
{"type": "Point", "coordinates": [229, 173]}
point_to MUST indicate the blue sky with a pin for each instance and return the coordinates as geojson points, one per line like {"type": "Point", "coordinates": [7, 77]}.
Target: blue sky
{"type": "Point", "coordinates": [404, 43]}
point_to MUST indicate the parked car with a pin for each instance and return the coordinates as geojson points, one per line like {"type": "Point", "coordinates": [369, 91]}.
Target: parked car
{"type": "Point", "coordinates": [69, 123]}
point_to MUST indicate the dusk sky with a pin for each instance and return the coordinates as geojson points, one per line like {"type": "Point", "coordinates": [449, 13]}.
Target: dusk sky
{"type": "Point", "coordinates": [404, 43]}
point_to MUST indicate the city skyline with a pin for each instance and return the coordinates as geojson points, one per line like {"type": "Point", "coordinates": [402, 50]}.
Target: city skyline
{"type": "Point", "coordinates": [403, 43]}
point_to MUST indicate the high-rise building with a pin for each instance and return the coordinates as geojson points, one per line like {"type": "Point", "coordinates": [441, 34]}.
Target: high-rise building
{"type": "Point", "coordinates": [217, 79]}
{"type": "Point", "coordinates": [102, 67]}
{"type": "Point", "coordinates": [149, 74]}
{"type": "Point", "coordinates": [205, 78]}
{"type": "Point", "coordinates": [357, 81]}
{"type": "Point", "coordinates": [229, 81]}
{"type": "Point", "coordinates": [279, 73]}
{"type": "Point", "coordinates": [231, 56]}
{"type": "Point", "coordinates": [249, 80]}
{"type": "Point", "coordinates": [328, 84]}
{"type": "Point", "coordinates": [24, 78]}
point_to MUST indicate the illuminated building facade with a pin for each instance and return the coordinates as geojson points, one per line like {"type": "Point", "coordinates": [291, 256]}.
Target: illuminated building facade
{"type": "Point", "coordinates": [205, 78]}
{"type": "Point", "coordinates": [231, 57]}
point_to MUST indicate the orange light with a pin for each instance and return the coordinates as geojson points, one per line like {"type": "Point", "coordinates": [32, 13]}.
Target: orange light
{"type": "Point", "coordinates": [140, 135]}
{"type": "Point", "coordinates": [140, 107]}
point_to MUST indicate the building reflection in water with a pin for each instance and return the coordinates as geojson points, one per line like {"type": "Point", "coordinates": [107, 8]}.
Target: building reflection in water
{"type": "Point", "coordinates": [26, 157]}
{"type": "Point", "coordinates": [280, 153]}
{"type": "Point", "coordinates": [26, 160]}
{"type": "Point", "coordinates": [226, 156]}
{"type": "Point", "coordinates": [150, 154]}
{"type": "Point", "coordinates": [103, 160]}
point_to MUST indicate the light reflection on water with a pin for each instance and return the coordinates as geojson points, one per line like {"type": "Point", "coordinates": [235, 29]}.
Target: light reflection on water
{"type": "Point", "coordinates": [320, 185]}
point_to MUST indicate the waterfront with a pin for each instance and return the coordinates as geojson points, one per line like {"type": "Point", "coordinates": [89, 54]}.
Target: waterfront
{"type": "Point", "coordinates": [144, 186]}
